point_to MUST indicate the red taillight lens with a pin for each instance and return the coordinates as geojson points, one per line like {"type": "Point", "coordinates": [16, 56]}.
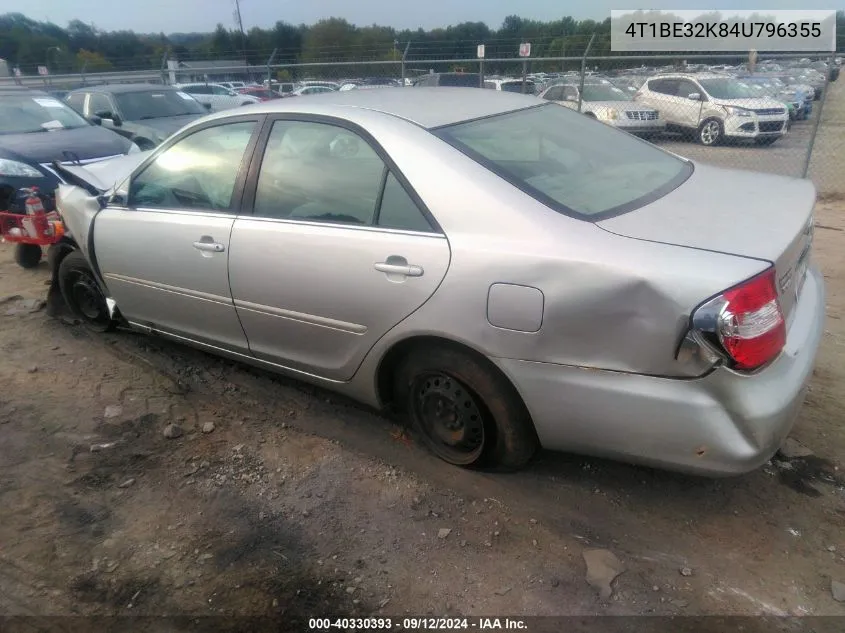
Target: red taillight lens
{"type": "Point", "coordinates": [751, 326]}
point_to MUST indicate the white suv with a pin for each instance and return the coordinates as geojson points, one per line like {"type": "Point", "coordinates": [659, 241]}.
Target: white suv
{"type": "Point", "coordinates": [715, 107]}
{"type": "Point", "coordinates": [217, 97]}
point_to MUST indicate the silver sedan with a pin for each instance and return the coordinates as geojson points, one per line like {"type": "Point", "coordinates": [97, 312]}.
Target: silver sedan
{"type": "Point", "coordinates": [507, 273]}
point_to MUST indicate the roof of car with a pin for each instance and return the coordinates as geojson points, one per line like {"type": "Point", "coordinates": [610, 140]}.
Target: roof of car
{"type": "Point", "coordinates": [683, 75]}
{"type": "Point", "coordinates": [121, 88]}
{"type": "Point", "coordinates": [427, 107]}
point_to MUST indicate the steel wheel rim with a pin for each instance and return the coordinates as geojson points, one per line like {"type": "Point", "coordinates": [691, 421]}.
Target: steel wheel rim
{"type": "Point", "coordinates": [450, 417]}
{"type": "Point", "coordinates": [88, 299]}
{"type": "Point", "coordinates": [709, 133]}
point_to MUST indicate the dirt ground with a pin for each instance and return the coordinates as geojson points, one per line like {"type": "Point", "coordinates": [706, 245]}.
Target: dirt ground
{"type": "Point", "coordinates": [301, 504]}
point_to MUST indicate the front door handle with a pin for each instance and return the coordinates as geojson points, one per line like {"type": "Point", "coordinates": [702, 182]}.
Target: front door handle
{"type": "Point", "coordinates": [214, 247]}
{"type": "Point", "coordinates": [408, 270]}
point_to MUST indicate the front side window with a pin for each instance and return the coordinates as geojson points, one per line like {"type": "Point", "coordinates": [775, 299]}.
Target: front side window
{"type": "Point", "coordinates": [25, 114]}
{"type": "Point", "coordinates": [567, 161]}
{"type": "Point", "coordinates": [198, 172]}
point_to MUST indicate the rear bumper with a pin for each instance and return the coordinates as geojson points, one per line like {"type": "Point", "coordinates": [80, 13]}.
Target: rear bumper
{"type": "Point", "coordinates": [722, 424]}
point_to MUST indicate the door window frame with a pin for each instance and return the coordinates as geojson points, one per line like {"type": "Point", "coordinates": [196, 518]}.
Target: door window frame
{"type": "Point", "coordinates": [236, 205]}
{"type": "Point", "coordinates": [251, 184]}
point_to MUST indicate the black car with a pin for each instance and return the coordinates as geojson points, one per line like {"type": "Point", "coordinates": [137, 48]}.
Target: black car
{"type": "Point", "coordinates": [145, 113]}
{"type": "Point", "coordinates": [37, 129]}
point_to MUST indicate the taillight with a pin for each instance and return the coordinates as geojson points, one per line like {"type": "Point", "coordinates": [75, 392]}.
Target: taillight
{"type": "Point", "coordinates": [750, 326]}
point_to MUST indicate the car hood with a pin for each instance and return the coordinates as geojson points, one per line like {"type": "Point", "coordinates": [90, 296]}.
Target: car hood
{"type": "Point", "coordinates": [623, 106]}
{"type": "Point", "coordinates": [106, 174]}
{"type": "Point", "coordinates": [165, 126]}
{"type": "Point", "coordinates": [83, 143]}
{"type": "Point", "coordinates": [730, 211]}
{"type": "Point", "coordinates": [755, 103]}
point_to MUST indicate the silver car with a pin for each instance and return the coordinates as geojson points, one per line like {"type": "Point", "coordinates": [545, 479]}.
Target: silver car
{"type": "Point", "coordinates": [506, 272]}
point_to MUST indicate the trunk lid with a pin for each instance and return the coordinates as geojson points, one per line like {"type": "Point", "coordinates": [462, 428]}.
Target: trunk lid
{"type": "Point", "coordinates": [748, 214]}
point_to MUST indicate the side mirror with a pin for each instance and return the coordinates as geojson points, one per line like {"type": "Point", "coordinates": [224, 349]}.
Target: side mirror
{"type": "Point", "coordinates": [207, 106]}
{"type": "Point", "coordinates": [116, 120]}
{"type": "Point", "coordinates": [95, 119]}
{"type": "Point", "coordinates": [694, 96]}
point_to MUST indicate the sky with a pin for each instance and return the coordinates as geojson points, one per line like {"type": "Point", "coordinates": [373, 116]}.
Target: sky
{"type": "Point", "coordinates": [172, 16]}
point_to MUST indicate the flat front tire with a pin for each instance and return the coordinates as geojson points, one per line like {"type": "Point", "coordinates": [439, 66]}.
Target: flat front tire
{"type": "Point", "coordinates": [465, 412]}
{"type": "Point", "coordinates": [82, 293]}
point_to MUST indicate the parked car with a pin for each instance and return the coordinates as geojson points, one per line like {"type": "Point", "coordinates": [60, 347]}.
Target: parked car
{"type": "Point", "coordinates": [216, 96]}
{"type": "Point", "coordinates": [714, 108]}
{"type": "Point", "coordinates": [311, 90]}
{"type": "Point", "coordinates": [451, 80]}
{"type": "Point", "coordinates": [610, 105]}
{"type": "Point", "coordinates": [510, 85]}
{"type": "Point", "coordinates": [35, 130]}
{"type": "Point", "coordinates": [237, 86]}
{"type": "Point", "coordinates": [144, 113]}
{"type": "Point", "coordinates": [332, 85]}
{"type": "Point", "coordinates": [507, 272]}
{"type": "Point", "coordinates": [798, 102]}
{"type": "Point", "coordinates": [259, 92]}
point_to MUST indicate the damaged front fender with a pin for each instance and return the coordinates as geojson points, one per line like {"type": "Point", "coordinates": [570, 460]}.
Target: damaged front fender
{"type": "Point", "coordinates": [78, 208]}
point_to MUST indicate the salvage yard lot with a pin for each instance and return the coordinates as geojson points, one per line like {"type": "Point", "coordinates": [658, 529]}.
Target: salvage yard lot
{"type": "Point", "coordinates": [279, 498]}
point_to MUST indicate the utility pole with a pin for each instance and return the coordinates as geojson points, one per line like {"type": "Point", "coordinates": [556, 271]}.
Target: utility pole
{"type": "Point", "coordinates": [240, 22]}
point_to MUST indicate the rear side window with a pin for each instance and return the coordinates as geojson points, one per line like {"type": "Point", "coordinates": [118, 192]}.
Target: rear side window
{"type": "Point", "coordinates": [76, 101]}
{"type": "Point", "coordinates": [565, 160]}
{"type": "Point", "coordinates": [664, 86]}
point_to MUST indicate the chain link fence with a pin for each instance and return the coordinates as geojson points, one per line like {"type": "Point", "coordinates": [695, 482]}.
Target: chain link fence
{"type": "Point", "coordinates": [784, 115]}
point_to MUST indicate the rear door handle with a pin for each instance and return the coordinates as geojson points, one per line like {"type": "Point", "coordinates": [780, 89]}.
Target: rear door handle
{"type": "Point", "coordinates": [398, 269]}
{"type": "Point", "coordinates": [214, 247]}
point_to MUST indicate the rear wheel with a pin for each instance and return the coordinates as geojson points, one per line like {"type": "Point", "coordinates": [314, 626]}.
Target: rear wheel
{"type": "Point", "coordinates": [27, 255]}
{"type": "Point", "coordinates": [466, 413]}
{"type": "Point", "coordinates": [710, 132]}
{"type": "Point", "coordinates": [82, 293]}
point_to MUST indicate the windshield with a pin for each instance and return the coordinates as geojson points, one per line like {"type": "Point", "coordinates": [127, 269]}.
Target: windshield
{"type": "Point", "coordinates": [604, 92]}
{"type": "Point", "coordinates": [726, 88]}
{"type": "Point", "coordinates": [156, 104]}
{"type": "Point", "coordinates": [24, 114]}
{"type": "Point", "coordinates": [569, 162]}
{"type": "Point", "coordinates": [516, 86]}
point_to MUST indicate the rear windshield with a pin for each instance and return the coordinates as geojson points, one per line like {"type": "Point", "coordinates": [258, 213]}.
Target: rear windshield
{"type": "Point", "coordinates": [571, 163]}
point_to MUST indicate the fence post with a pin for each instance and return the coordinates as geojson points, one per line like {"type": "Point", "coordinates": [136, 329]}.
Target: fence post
{"type": "Point", "coordinates": [524, 74]}
{"type": "Point", "coordinates": [164, 66]}
{"type": "Point", "coordinates": [82, 73]}
{"type": "Point", "coordinates": [404, 55]}
{"type": "Point", "coordinates": [480, 72]}
{"type": "Point", "coordinates": [584, 69]}
{"type": "Point", "coordinates": [818, 120]}
{"type": "Point", "coordinates": [269, 71]}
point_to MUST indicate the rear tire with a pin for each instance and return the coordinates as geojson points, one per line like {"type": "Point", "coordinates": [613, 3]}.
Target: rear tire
{"type": "Point", "coordinates": [465, 411]}
{"type": "Point", "coordinates": [27, 255]}
{"type": "Point", "coordinates": [82, 294]}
